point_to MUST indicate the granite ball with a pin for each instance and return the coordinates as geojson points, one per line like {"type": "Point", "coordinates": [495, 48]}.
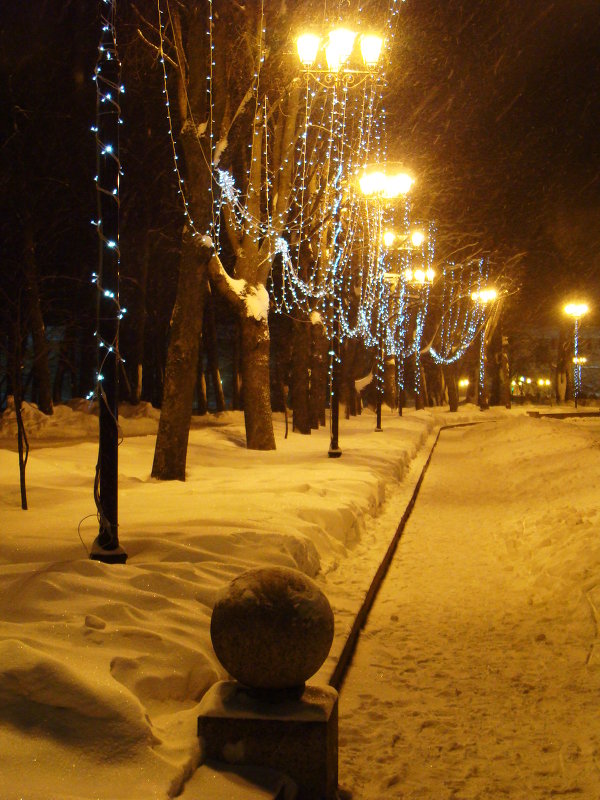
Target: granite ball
{"type": "Point", "coordinates": [272, 628]}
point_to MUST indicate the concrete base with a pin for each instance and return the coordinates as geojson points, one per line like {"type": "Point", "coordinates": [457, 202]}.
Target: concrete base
{"type": "Point", "coordinates": [296, 737]}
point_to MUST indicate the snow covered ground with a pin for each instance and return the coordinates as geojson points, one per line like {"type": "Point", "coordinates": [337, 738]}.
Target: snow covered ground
{"type": "Point", "coordinates": [102, 667]}
{"type": "Point", "coordinates": [478, 673]}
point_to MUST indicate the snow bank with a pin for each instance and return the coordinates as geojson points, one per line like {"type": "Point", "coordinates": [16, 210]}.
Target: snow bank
{"type": "Point", "coordinates": [104, 666]}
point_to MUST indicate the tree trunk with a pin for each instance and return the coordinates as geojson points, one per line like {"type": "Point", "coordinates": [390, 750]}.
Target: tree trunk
{"type": "Point", "coordinates": [182, 361]}
{"type": "Point", "coordinates": [349, 395]}
{"type": "Point", "coordinates": [41, 368]}
{"type": "Point", "coordinates": [209, 339]}
{"type": "Point", "coordinates": [422, 396]}
{"type": "Point", "coordinates": [318, 373]}
{"type": "Point", "coordinates": [389, 382]}
{"type": "Point", "coordinates": [236, 370]}
{"type": "Point", "coordinates": [419, 392]}
{"type": "Point", "coordinates": [300, 376]}
{"type": "Point", "coordinates": [256, 384]}
{"type": "Point", "coordinates": [140, 328]}
{"type": "Point", "coordinates": [201, 401]}
{"type": "Point", "coordinates": [451, 385]}
{"type": "Point", "coordinates": [504, 369]}
{"type": "Point", "coordinates": [16, 369]}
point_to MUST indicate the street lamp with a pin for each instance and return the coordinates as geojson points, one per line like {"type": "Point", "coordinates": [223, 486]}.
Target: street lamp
{"type": "Point", "coordinates": [576, 311]}
{"type": "Point", "coordinates": [334, 57]}
{"type": "Point", "coordinates": [382, 183]}
{"type": "Point", "coordinates": [416, 279]}
{"type": "Point", "coordinates": [483, 297]}
{"type": "Point", "coordinates": [419, 280]}
{"type": "Point", "coordinates": [345, 58]}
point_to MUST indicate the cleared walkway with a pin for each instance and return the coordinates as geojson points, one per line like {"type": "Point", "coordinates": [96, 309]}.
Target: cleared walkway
{"type": "Point", "coordinates": [473, 678]}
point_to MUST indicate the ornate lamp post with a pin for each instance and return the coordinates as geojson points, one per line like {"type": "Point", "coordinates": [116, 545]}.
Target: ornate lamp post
{"type": "Point", "coordinates": [415, 282]}
{"type": "Point", "coordinates": [483, 297]}
{"type": "Point", "coordinates": [576, 311]}
{"type": "Point", "coordinates": [382, 184]}
{"type": "Point", "coordinates": [332, 59]}
{"type": "Point", "coordinates": [340, 58]}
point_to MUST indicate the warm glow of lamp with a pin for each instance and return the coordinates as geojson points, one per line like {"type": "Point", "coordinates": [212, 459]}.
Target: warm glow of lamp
{"type": "Point", "coordinates": [339, 48]}
{"type": "Point", "coordinates": [308, 47]}
{"type": "Point", "coordinates": [398, 184]}
{"type": "Point", "coordinates": [417, 238]}
{"type": "Point", "coordinates": [430, 275]}
{"type": "Point", "coordinates": [379, 184]}
{"type": "Point", "coordinates": [580, 360]}
{"type": "Point", "coordinates": [420, 275]}
{"type": "Point", "coordinates": [463, 382]}
{"type": "Point", "coordinates": [389, 237]}
{"type": "Point", "coordinates": [370, 48]}
{"type": "Point", "coordinates": [372, 183]}
{"type": "Point", "coordinates": [484, 296]}
{"type": "Point", "coordinates": [576, 310]}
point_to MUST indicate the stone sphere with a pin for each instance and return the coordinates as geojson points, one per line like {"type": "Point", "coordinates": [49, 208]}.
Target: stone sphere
{"type": "Point", "coordinates": [272, 628]}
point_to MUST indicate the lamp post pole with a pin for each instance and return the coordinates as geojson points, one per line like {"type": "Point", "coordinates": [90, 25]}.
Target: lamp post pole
{"type": "Point", "coordinates": [106, 546]}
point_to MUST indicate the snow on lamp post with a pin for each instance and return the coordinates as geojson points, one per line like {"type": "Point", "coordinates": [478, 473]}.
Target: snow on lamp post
{"type": "Point", "coordinates": [576, 311]}
{"type": "Point", "coordinates": [483, 297]}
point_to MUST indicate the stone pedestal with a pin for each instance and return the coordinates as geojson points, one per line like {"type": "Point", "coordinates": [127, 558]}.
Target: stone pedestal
{"type": "Point", "coordinates": [296, 736]}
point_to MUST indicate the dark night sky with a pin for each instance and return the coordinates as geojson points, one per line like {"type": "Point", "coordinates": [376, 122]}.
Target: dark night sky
{"type": "Point", "coordinates": [497, 106]}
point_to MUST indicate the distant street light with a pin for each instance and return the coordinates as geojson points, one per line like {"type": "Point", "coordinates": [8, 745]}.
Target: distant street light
{"type": "Point", "coordinates": [483, 297]}
{"type": "Point", "coordinates": [576, 311]}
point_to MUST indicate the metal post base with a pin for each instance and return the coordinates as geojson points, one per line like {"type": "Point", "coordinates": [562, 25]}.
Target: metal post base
{"type": "Point", "coordinates": [115, 556]}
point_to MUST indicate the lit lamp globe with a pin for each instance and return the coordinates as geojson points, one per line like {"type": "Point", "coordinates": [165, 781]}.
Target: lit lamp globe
{"type": "Point", "coordinates": [389, 237]}
{"type": "Point", "coordinates": [576, 310]}
{"type": "Point", "coordinates": [370, 49]}
{"type": "Point", "coordinates": [378, 184]}
{"type": "Point", "coordinates": [339, 48]}
{"type": "Point", "coordinates": [484, 296]}
{"type": "Point", "coordinates": [417, 238]}
{"type": "Point", "coordinates": [307, 46]}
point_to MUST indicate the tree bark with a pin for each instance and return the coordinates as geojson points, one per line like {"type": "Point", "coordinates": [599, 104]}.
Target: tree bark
{"type": "Point", "coordinates": [300, 376]}
{"type": "Point", "coordinates": [236, 371]}
{"type": "Point", "coordinates": [41, 369]}
{"type": "Point", "coordinates": [451, 385]}
{"type": "Point", "coordinates": [318, 373]}
{"type": "Point", "coordinates": [210, 344]}
{"type": "Point", "coordinates": [256, 384]}
{"type": "Point", "coordinates": [201, 399]}
{"type": "Point", "coordinates": [389, 382]}
{"type": "Point", "coordinates": [178, 393]}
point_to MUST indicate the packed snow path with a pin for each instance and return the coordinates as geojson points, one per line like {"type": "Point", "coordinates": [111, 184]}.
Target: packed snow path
{"type": "Point", "coordinates": [476, 676]}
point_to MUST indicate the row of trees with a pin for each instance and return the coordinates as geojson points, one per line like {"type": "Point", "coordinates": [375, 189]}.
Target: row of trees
{"type": "Point", "coordinates": [195, 283]}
